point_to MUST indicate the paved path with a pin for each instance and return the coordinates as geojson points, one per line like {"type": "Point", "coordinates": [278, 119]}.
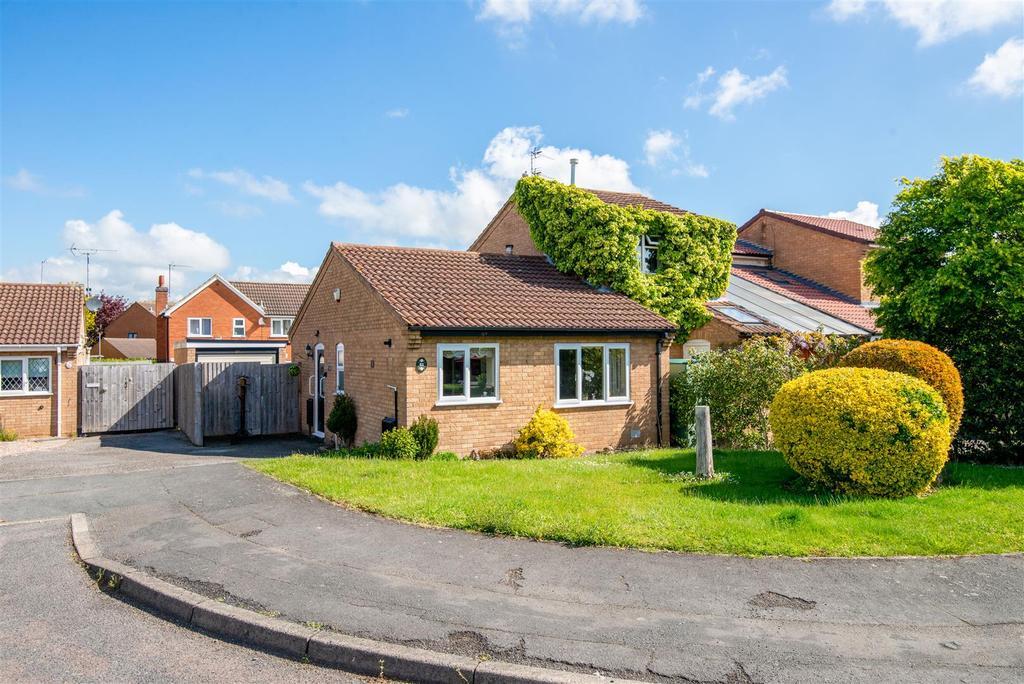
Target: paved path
{"type": "Point", "coordinates": [55, 625]}
{"type": "Point", "coordinates": [201, 520]}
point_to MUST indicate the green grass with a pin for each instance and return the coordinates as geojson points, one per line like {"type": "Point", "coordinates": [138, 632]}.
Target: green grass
{"type": "Point", "coordinates": [646, 500]}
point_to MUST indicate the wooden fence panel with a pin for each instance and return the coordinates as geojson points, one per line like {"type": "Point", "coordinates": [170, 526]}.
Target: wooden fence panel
{"type": "Point", "coordinates": [115, 397]}
{"type": "Point", "coordinates": [279, 400]}
{"type": "Point", "coordinates": [271, 405]}
{"type": "Point", "coordinates": [188, 401]}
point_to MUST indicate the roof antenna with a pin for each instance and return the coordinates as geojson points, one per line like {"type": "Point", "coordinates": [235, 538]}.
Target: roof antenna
{"type": "Point", "coordinates": [535, 153]}
{"type": "Point", "coordinates": [88, 254]}
{"type": "Point", "coordinates": [169, 267]}
{"type": "Point", "coordinates": [572, 170]}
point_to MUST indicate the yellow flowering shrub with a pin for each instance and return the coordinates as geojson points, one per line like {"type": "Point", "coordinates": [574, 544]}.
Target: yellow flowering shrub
{"type": "Point", "coordinates": [862, 430]}
{"type": "Point", "coordinates": [920, 360]}
{"type": "Point", "coordinates": [547, 435]}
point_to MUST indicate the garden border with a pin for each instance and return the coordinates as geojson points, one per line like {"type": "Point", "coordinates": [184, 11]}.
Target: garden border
{"type": "Point", "coordinates": [299, 642]}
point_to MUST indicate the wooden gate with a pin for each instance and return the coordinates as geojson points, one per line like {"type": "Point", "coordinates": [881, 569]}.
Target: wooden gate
{"type": "Point", "coordinates": [115, 397]}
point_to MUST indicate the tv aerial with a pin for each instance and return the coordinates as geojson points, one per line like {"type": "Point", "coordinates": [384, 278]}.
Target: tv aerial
{"type": "Point", "coordinates": [88, 253]}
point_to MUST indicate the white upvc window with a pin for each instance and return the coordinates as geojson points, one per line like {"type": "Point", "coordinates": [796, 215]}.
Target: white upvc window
{"type": "Point", "coordinates": [591, 374]}
{"type": "Point", "coordinates": [238, 327]}
{"type": "Point", "coordinates": [24, 375]}
{"type": "Point", "coordinates": [647, 253]}
{"type": "Point", "coordinates": [467, 374]}
{"type": "Point", "coordinates": [200, 327]}
{"type": "Point", "coordinates": [279, 327]}
{"type": "Point", "coordinates": [339, 369]}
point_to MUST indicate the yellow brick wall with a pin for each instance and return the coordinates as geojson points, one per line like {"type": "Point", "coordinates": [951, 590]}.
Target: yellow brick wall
{"type": "Point", "coordinates": [36, 415]}
{"type": "Point", "coordinates": [720, 335]}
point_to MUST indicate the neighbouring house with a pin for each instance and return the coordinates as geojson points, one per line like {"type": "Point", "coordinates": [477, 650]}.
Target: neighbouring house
{"type": "Point", "coordinates": [125, 348]}
{"type": "Point", "coordinates": [42, 343]}
{"type": "Point", "coordinates": [790, 272]}
{"type": "Point", "coordinates": [138, 321]}
{"type": "Point", "coordinates": [225, 320]}
{"type": "Point", "coordinates": [478, 342]}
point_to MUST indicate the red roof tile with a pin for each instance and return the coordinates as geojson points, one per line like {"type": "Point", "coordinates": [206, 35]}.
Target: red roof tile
{"type": "Point", "coordinates": [842, 227]}
{"type": "Point", "coordinates": [277, 299]}
{"type": "Point", "coordinates": [446, 289]}
{"type": "Point", "coordinates": [127, 347]}
{"type": "Point", "coordinates": [810, 293]}
{"type": "Point", "coordinates": [40, 313]}
{"type": "Point", "coordinates": [625, 199]}
{"type": "Point", "coordinates": [746, 247]}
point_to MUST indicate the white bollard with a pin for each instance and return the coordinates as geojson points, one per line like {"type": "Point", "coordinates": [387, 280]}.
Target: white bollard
{"type": "Point", "coordinates": [705, 457]}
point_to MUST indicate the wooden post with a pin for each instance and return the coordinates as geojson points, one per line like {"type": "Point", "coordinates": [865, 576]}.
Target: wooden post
{"type": "Point", "coordinates": [197, 397]}
{"type": "Point", "coordinates": [705, 457]}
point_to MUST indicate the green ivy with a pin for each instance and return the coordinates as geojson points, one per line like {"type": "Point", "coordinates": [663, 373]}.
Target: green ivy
{"type": "Point", "coordinates": [598, 242]}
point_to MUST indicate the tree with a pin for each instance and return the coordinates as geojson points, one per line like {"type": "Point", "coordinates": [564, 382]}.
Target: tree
{"type": "Point", "coordinates": [111, 306]}
{"type": "Point", "coordinates": [950, 272]}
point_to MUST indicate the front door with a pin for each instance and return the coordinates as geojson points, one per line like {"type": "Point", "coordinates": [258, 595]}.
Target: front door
{"type": "Point", "coordinates": [321, 376]}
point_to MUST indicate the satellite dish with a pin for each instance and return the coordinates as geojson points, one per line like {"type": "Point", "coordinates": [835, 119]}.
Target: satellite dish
{"type": "Point", "coordinates": [93, 304]}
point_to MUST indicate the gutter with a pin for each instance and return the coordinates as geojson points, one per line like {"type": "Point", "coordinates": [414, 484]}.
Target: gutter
{"type": "Point", "coordinates": [527, 332]}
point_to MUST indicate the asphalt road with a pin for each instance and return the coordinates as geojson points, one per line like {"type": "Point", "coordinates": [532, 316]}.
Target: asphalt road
{"type": "Point", "coordinates": [55, 625]}
{"type": "Point", "coordinates": [200, 519]}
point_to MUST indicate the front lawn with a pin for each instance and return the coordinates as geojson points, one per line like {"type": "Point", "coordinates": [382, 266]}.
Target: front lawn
{"type": "Point", "coordinates": [647, 500]}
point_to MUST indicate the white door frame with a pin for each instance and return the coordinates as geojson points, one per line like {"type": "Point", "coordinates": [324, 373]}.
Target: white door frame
{"type": "Point", "coordinates": [318, 388]}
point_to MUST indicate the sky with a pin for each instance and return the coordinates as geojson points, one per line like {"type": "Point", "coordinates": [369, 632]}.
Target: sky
{"type": "Point", "coordinates": [241, 138]}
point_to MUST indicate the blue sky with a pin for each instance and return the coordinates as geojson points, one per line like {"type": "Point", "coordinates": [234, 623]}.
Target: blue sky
{"type": "Point", "coordinates": [241, 138]}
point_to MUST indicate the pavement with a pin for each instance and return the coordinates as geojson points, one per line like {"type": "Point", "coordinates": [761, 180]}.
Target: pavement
{"type": "Point", "coordinates": [201, 520]}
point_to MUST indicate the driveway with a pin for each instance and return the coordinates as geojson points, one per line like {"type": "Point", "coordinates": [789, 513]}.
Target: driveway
{"type": "Point", "coordinates": [198, 518]}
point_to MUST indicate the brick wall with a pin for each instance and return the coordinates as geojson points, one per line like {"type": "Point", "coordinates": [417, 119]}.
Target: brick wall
{"type": "Point", "coordinates": [506, 228]}
{"type": "Point", "coordinates": [827, 259]}
{"type": "Point", "coordinates": [135, 319]}
{"type": "Point", "coordinates": [720, 335]}
{"type": "Point", "coordinates": [36, 415]}
{"type": "Point", "coordinates": [527, 380]}
{"type": "Point", "coordinates": [223, 306]}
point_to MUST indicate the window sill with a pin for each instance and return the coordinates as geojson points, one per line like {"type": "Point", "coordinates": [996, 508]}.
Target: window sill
{"type": "Point", "coordinates": [280, 337]}
{"type": "Point", "coordinates": [26, 394]}
{"type": "Point", "coordinates": [467, 402]}
{"type": "Point", "coordinates": [591, 404]}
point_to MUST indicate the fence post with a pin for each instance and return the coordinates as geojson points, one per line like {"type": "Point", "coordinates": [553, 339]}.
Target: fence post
{"type": "Point", "coordinates": [705, 457]}
{"type": "Point", "coordinates": [197, 413]}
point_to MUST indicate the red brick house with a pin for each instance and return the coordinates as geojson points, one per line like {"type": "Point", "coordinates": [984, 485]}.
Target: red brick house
{"type": "Point", "coordinates": [225, 320]}
{"type": "Point", "coordinates": [790, 272]}
{"type": "Point", "coordinates": [478, 342]}
{"type": "Point", "coordinates": [42, 342]}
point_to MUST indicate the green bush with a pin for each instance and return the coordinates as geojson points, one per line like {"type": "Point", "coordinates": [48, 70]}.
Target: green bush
{"type": "Point", "coordinates": [445, 456]}
{"type": "Point", "coordinates": [426, 433]}
{"type": "Point", "coordinates": [598, 242]}
{"type": "Point", "coordinates": [738, 386]}
{"type": "Point", "coordinates": [398, 443]}
{"type": "Point", "coordinates": [342, 419]}
{"type": "Point", "coordinates": [7, 435]}
{"type": "Point", "coordinates": [547, 435]}
{"type": "Point", "coordinates": [920, 360]}
{"type": "Point", "coordinates": [862, 431]}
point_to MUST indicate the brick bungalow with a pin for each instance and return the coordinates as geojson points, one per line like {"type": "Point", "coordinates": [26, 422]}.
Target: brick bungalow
{"type": "Point", "coordinates": [132, 335]}
{"type": "Point", "coordinates": [478, 341]}
{"type": "Point", "coordinates": [790, 272]}
{"type": "Point", "coordinates": [225, 320]}
{"type": "Point", "coordinates": [42, 342]}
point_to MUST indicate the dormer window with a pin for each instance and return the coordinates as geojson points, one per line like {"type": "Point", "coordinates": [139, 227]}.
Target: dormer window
{"type": "Point", "coordinates": [647, 253]}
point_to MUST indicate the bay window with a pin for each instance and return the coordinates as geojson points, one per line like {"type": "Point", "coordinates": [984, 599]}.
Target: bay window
{"type": "Point", "coordinates": [25, 375]}
{"type": "Point", "coordinates": [587, 374]}
{"type": "Point", "coordinates": [467, 373]}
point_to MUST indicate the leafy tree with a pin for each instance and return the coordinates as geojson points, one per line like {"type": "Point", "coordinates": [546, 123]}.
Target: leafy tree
{"type": "Point", "coordinates": [950, 272]}
{"type": "Point", "coordinates": [111, 306]}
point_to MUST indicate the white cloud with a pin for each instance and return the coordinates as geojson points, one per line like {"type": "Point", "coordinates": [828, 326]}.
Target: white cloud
{"type": "Point", "coordinates": [266, 187]}
{"type": "Point", "coordinates": [866, 213]}
{"type": "Point", "coordinates": [397, 113]}
{"type": "Point", "coordinates": [1002, 72]}
{"type": "Point", "coordinates": [288, 272]}
{"type": "Point", "coordinates": [454, 216]}
{"type": "Point", "coordinates": [139, 258]}
{"type": "Point", "coordinates": [584, 11]}
{"type": "Point", "coordinates": [665, 146]}
{"type": "Point", "coordinates": [734, 88]}
{"type": "Point", "coordinates": [25, 181]}
{"type": "Point", "coordinates": [936, 20]}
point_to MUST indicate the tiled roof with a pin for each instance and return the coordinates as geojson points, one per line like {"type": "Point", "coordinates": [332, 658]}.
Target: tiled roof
{"type": "Point", "coordinates": [625, 199]}
{"type": "Point", "coordinates": [746, 247]}
{"type": "Point", "coordinates": [762, 327]}
{"type": "Point", "coordinates": [842, 227]}
{"type": "Point", "coordinates": [40, 314]}
{"type": "Point", "coordinates": [446, 289]}
{"type": "Point", "coordinates": [147, 304]}
{"type": "Point", "coordinates": [128, 347]}
{"type": "Point", "coordinates": [809, 292]}
{"type": "Point", "coordinates": [277, 299]}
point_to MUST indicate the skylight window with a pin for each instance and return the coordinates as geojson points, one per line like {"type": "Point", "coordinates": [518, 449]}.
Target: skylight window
{"type": "Point", "coordinates": [738, 315]}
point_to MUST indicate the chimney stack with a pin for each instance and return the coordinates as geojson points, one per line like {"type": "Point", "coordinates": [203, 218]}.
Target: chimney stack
{"type": "Point", "coordinates": [161, 296]}
{"type": "Point", "coordinates": [572, 170]}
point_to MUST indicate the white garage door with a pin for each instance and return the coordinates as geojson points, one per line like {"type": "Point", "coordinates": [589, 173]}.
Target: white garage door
{"type": "Point", "coordinates": [259, 357]}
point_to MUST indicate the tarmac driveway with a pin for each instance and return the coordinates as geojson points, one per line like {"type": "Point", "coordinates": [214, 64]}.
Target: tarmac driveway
{"type": "Point", "coordinates": [200, 519]}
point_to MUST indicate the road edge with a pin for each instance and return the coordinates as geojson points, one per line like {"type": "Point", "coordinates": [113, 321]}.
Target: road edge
{"type": "Point", "coordinates": [299, 642]}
